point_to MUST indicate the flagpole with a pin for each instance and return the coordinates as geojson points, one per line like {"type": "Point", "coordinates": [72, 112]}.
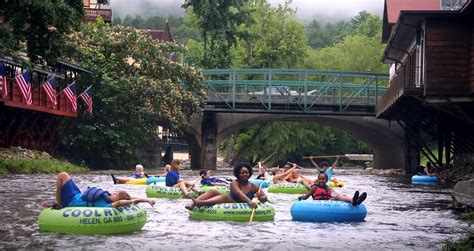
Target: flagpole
{"type": "Point", "coordinates": [65, 88]}
{"type": "Point", "coordinates": [85, 90]}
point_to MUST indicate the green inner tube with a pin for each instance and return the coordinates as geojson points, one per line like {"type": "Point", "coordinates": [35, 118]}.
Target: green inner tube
{"type": "Point", "coordinates": [220, 189]}
{"type": "Point", "coordinates": [290, 188]}
{"type": "Point", "coordinates": [93, 220]}
{"type": "Point", "coordinates": [161, 191]}
{"type": "Point", "coordinates": [233, 212]}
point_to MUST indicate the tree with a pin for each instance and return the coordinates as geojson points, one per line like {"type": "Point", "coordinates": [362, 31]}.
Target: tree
{"type": "Point", "coordinates": [358, 52]}
{"type": "Point", "coordinates": [354, 53]}
{"type": "Point", "coordinates": [293, 140]}
{"type": "Point", "coordinates": [137, 22]}
{"type": "Point", "coordinates": [371, 27]}
{"type": "Point", "coordinates": [38, 28]}
{"type": "Point", "coordinates": [320, 36]}
{"type": "Point", "coordinates": [194, 53]}
{"type": "Point", "coordinates": [136, 88]}
{"type": "Point", "coordinates": [116, 21]}
{"type": "Point", "coordinates": [127, 21]}
{"type": "Point", "coordinates": [360, 18]}
{"type": "Point", "coordinates": [218, 22]}
{"type": "Point", "coordinates": [275, 38]}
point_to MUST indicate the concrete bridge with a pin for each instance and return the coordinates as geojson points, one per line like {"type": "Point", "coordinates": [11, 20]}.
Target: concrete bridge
{"type": "Point", "coordinates": [344, 100]}
{"type": "Point", "coordinates": [386, 141]}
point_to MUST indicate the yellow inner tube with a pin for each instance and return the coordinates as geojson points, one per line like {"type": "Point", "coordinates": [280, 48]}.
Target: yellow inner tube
{"type": "Point", "coordinates": [140, 181]}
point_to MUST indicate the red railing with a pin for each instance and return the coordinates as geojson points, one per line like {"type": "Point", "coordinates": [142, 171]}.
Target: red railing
{"type": "Point", "coordinates": [40, 101]}
{"type": "Point", "coordinates": [92, 14]}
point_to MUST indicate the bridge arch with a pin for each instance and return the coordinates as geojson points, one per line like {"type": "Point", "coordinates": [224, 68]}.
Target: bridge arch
{"type": "Point", "coordinates": [387, 142]}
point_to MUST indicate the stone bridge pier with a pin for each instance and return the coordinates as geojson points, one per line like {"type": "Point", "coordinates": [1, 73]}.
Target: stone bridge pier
{"type": "Point", "coordinates": [391, 147]}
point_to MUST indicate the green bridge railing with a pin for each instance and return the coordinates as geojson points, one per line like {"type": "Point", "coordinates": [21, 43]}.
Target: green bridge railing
{"type": "Point", "coordinates": [293, 91]}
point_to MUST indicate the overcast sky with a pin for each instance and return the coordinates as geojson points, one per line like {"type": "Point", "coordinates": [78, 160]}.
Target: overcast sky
{"type": "Point", "coordinates": [306, 9]}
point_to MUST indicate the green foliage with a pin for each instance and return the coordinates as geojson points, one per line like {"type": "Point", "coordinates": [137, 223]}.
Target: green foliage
{"type": "Point", "coordinates": [354, 53]}
{"type": "Point", "coordinates": [463, 243]}
{"type": "Point", "coordinates": [37, 165]}
{"type": "Point", "coordinates": [468, 217]}
{"type": "Point", "coordinates": [357, 52]}
{"type": "Point", "coordinates": [293, 140]}
{"type": "Point", "coordinates": [320, 36]}
{"type": "Point", "coordinates": [195, 53]}
{"type": "Point", "coordinates": [136, 89]}
{"type": "Point", "coordinates": [116, 21]}
{"type": "Point", "coordinates": [275, 38]}
{"type": "Point", "coordinates": [371, 27]}
{"type": "Point", "coordinates": [218, 22]}
{"type": "Point", "coordinates": [37, 28]}
{"type": "Point", "coordinates": [467, 241]}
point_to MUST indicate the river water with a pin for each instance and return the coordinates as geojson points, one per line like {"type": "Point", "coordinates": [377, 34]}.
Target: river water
{"type": "Point", "coordinates": [400, 216]}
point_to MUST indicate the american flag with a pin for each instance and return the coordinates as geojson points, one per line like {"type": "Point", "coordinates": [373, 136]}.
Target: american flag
{"type": "Point", "coordinates": [49, 86]}
{"type": "Point", "coordinates": [70, 92]}
{"type": "Point", "coordinates": [3, 81]}
{"type": "Point", "coordinates": [86, 96]}
{"type": "Point", "coordinates": [23, 81]}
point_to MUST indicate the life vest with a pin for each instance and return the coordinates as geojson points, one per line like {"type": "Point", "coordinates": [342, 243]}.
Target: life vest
{"type": "Point", "coordinates": [93, 194]}
{"type": "Point", "coordinates": [322, 193]}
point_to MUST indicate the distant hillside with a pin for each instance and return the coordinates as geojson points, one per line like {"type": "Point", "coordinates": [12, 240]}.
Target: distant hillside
{"type": "Point", "coordinates": [146, 8]}
{"type": "Point", "coordinates": [322, 10]}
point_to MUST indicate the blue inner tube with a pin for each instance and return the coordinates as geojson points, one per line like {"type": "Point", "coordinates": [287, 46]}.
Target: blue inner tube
{"type": "Point", "coordinates": [265, 183]}
{"type": "Point", "coordinates": [327, 211]}
{"type": "Point", "coordinates": [424, 180]}
{"type": "Point", "coordinates": [155, 179]}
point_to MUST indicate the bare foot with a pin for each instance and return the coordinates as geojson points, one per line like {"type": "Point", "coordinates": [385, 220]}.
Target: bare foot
{"type": "Point", "coordinates": [48, 204]}
{"type": "Point", "coordinates": [197, 202]}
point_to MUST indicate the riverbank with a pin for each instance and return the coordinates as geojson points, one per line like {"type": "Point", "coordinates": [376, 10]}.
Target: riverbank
{"type": "Point", "coordinates": [17, 160]}
{"type": "Point", "coordinates": [448, 176]}
{"type": "Point", "coordinates": [466, 242]}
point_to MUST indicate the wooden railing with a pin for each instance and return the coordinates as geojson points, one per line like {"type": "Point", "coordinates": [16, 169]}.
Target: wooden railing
{"type": "Point", "coordinates": [92, 14]}
{"type": "Point", "coordinates": [403, 84]}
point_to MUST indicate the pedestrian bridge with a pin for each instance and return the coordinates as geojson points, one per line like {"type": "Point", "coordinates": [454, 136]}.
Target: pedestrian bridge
{"type": "Point", "coordinates": [293, 91]}
{"type": "Point", "coordinates": [239, 98]}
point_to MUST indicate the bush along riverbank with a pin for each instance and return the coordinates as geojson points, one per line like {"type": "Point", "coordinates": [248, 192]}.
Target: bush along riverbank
{"type": "Point", "coordinates": [466, 242]}
{"type": "Point", "coordinates": [17, 160]}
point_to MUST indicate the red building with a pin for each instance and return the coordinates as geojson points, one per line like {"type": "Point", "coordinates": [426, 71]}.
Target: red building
{"type": "Point", "coordinates": [42, 124]}
{"type": "Point", "coordinates": [161, 35]}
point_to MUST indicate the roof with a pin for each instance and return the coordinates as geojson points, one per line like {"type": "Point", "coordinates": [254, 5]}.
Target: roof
{"type": "Point", "coordinates": [404, 31]}
{"type": "Point", "coordinates": [392, 10]}
{"type": "Point", "coordinates": [161, 35]}
{"type": "Point", "coordinates": [393, 7]}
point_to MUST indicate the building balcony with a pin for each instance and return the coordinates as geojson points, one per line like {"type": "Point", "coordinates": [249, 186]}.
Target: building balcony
{"type": "Point", "coordinates": [90, 15]}
{"type": "Point", "coordinates": [402, 85]}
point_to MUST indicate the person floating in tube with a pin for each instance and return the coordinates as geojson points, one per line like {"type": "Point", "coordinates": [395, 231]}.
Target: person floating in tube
{"type": "Point", "coordinates": [69, 195]}
{"type": "Point", "coordinates": [241, 191]}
